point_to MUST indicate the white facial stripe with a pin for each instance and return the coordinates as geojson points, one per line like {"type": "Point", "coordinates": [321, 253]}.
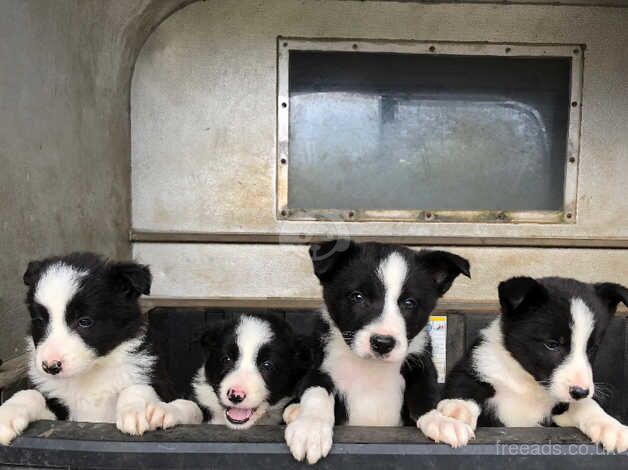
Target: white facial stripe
{"type": "Point", "coordinates": [576, 369]}
{"type": "Point", "coordinates": [56, 288]}
{"type": "Point", "coordinates": [251, 335]}
{"type": "Point", "coordinates": [54, 291]}
{"type": "Point", "coordinates": [582, 327]}
{"type": "Point", "coordinates": [392, 273]}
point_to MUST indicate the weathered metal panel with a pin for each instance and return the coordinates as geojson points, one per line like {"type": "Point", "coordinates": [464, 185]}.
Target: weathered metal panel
{"type": "Point", "coordinates": [469, 132]}
{"type": "Point", "coordinates": [204, 102]}
{"type": "Point", "coordinates": [284, 271]}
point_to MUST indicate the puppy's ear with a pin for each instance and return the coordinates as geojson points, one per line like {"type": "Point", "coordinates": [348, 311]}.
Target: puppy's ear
{"type": "Point", "coordinates": [32, 273]}
{"type": "Point", "coordinates": [304, 349]}
{"type": "Point", "coordinates": [444, 267]}
{"type": "Point", "coordinates": [209, 336]}
{"type": "Point", "coordinates": [132, 278]}
{"type": "Point", "coordinates": [520, 293]}
{"type": "Point", "coordinates": [327, 256]}
{"type": "Point", "coordinates": [611, 294]}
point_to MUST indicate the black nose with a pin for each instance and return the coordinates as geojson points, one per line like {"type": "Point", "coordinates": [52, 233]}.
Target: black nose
{"type": "Point", "coordinates": [382, 344]}
{"type": "Point", "coordinates": [578, 393]}
{"type": "Point", "coordinates": [53, 368]}
{"type": "Point", "coordinates": [236, 396]}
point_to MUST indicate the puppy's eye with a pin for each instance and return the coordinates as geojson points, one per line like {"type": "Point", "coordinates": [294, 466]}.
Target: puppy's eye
{"type": "Point", "coordinates": [85, 322]}
{"type": "Point", "coordinates": [226, 360]}
{"type": "Point", "coordinates": [552, 345]}
{"type": "Point", "coordinates": [267, 365]}
{"type": "Point", "coordinates": [409, 303]}
{"type": "Point", "coordinates": [357, 297]}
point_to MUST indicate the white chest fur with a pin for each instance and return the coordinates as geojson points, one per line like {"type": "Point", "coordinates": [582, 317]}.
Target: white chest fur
{"type": "Point", "coordinates": [92, 396]}
{"type": "Point", "coordinates": [372, 390]}
{"type": "Point", "coordinates": [521, 410]}
{"type": "Point", "coordinates": [519, 400]}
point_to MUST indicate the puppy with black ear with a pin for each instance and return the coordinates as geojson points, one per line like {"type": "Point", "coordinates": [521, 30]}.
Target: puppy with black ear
{"type": "Point", "coordinates": [375, 367]}
{"type": "Point", "coordinates": [533, 365]}
{"type": "Point", "coordinates": [90, 358]}
{"type": "Point", "coordinates": [251, 370]}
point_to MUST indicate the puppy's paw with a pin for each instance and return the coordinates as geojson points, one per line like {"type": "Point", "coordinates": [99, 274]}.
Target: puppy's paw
{"type": "Point", "coordinates": [610, 433]}
{"type": "Point", "coordinates": [161, 415]}
{"type": "Point", "coordinates": [14, 419]}
{"type": "Point", "coordinates": [466, 411]}
{"type": "Point", "coordinates": [444, 429]}
{"type": "Point", "coordinates": [291, 413]}
{"type": "Point", "coordinates": [133, 420]}
{"type": "Point", "coordinates": [309, 438]}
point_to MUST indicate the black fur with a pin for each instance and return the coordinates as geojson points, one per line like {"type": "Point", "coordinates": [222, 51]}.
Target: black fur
{"type": "Point", "coordinates": [287, 354]}
{"type": "Point", "coordinates": [104, 312]}
{"type": "Point", "coordinates": [536, 328]}
{"type": "Point", "coordinates": [108, 297]}
{"type": "Point", "coordinates": [421, 394]}
{"type": "Point", "coordinates": [347, 270]}
{"type": "Point", "coordinates": [344, 267]}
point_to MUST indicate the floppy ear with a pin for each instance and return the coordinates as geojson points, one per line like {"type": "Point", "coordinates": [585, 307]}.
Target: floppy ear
{"type": "Point", "coordinates": [611, 294]}
{"type": "Point", "coordinates": [444, 267]}
{"type": "Point", "coordinates": [304, 351]}
{"type": "Point", "coordinates": [132, 278]}
{"type": "Point", "coordinates": [209, 336]}
{"type": "Point", "coordinates": [326, 256]}
{"type": "Point", "coordinates": [32, 273]}
{"type": "Point", "coordinates": [519, 293]}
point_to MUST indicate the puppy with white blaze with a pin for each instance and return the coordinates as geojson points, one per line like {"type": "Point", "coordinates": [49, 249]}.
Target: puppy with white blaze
{"type": "Point", "coordinates": [533, 365]}
{"type": "Point", "coordinates": [251, 371]}
{"type": "Point", "coordinates": [90, 356]}
{"type": "Point", "coordinates": [375, 366]}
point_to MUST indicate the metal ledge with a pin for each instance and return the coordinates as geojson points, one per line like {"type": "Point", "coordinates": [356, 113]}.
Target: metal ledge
{"type": "Point", "coordinates": [276, 238]}
{"type": "Point", "coordinates": [82, 445]}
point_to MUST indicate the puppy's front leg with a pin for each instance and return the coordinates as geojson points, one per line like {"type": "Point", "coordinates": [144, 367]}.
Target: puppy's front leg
{"type": "Point", "coordinates": [593, 421]}
{"type": "Point", "coordinates": [452, 428]}
{"type": "Point", "coordinates": [132, 409]}
{"type": "Point", "coordinates": [162, 415]}
{"type": "Point", "coordinates": [19, 411]}
{"type": "Point", "coordinates": [309, 434]}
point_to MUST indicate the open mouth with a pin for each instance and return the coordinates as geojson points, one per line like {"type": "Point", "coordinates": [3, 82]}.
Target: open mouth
{"type": "Point", "coordinates": [239, 415]}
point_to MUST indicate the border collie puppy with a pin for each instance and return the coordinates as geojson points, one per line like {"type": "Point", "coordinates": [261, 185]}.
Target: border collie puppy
{"type": "Point", "coordinates": [375, 367]}
{"type": "Point", "coordinates": [533, 365]}
{"type": "Point", "coordinates": [90, 357]}
{"type": "Point", "coordinates": [251, 371]}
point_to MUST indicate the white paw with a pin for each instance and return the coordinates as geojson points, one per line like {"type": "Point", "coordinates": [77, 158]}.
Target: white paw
{"type": "Point", "coordinates": [132, 420]}
{"type": "Point", "coordinates": [162, 415]}
{"type": "Point", "coordinates": [611, 434]}
{"type": "Point", "coordinates": [291, 413]}
{"type": "Point", "coordinates": [309, 438]}
{"type": "Point", "coordinates": [462, 410]}
{"type": "Point", "coordinates": [14, 420]}
{"type": "Point", "coordinates": [441, 428]}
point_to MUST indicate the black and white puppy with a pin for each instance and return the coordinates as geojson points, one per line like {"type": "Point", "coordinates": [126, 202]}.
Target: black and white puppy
{"type": "Point", "coordinates": [375, 366]}
{"type": "Point", "coordinates": [251, 371]}
{"type": "Point", "coordinates": [90, 357]}
{"type": "Point", "coordinates": [532, 365]}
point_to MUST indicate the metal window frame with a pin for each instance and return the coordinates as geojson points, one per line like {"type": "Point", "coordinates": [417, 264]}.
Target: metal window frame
{"type": "Point", "coordinates": [568, 214]}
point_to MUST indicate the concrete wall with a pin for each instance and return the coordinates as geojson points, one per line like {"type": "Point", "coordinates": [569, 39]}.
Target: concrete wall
{"type": "Point", "coordinates": [65, 70]}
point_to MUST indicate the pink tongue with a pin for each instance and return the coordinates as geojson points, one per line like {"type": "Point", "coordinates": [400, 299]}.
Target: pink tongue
{"type": "Point", "coordinates": [239, 414]}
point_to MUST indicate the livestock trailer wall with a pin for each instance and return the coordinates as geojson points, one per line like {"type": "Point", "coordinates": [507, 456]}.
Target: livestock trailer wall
{"type": "Point", "coordinates": [160, 129]}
